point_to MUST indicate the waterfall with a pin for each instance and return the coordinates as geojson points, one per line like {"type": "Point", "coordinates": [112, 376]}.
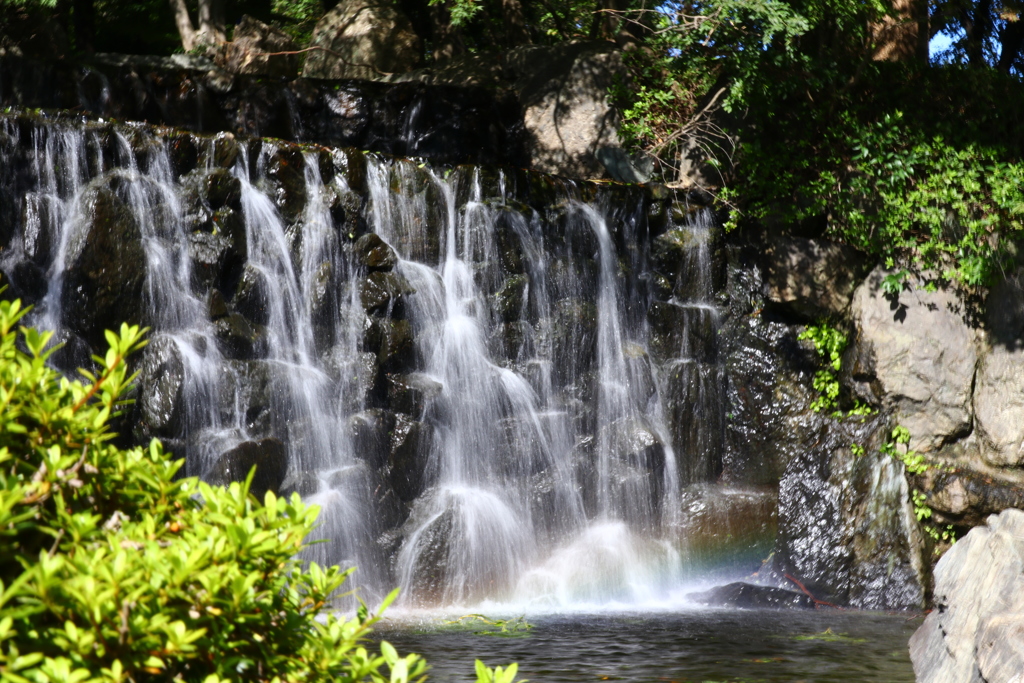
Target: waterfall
{"type": "Point", "coordinates": [458, 365]}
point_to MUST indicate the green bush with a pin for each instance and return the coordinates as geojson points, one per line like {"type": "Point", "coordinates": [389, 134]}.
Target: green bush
{"type": "Point", "coordinates": [113, 569]}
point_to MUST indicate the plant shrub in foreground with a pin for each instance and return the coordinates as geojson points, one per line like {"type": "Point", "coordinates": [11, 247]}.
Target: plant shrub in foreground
{"type": "Point", "coordinates": [113, 570]}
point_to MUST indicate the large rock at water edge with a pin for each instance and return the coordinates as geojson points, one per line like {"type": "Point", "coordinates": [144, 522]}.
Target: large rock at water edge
{"type": "Point", "coordinates": [976, 631]}
{"type": "Point", "coordinates": [362, 39]}
{"type": "Point", "coordinates": [916, 354]}
{"type": "Point", "coordinates": [751, 596]}
{"type": "Point", "coordinates": [847, 530]}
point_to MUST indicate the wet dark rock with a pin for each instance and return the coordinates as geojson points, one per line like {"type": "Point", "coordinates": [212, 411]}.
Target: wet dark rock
{"type": "Point", "coordinates": [383, 292]}
{"type": "Point", "coordinates": [323, 296]}
{"type": "Point", "coordinates": [225, 150]}
{"type": "Point", "coordinates": [847, 530]}
{"type": "Point", "coordinates": [976, 631]}
{"type": "Point", "coordinates": [574, 332]}
{"type": "Point", "coordinates": [248, 385]}
{"type": "Point", "coordinates": [509, 299]}
{"type": "Point", "coordinates": [374, 253]}
{"type": "Point", "coordinates": [684, 258]}
{"type": "Point", "coordinates": [268, 456]}
{"type": "Point", "coordinates": [36, 240]}
{"type": "Point", "coordinates": [216, 307]}
{"type": "Point", "coordinates": [161, 383]}
{"type": "Point", "coordinates": [223, 189]}
{"type": "Point", "coordinates": [356, 375]}
{"type": "Point", "coordinates": [449, 124]}
{"type": "Point", "coordinates": [105, 269]}
{"type": "Point", "coordinates": [251, 298]}
{"type": "Point", "coordinates": [410, 393]}
{"type": "Point", "coordinates": [302, 482]}
{"type": "Point", "coordinates": [687, 331]}
{"type": "Point", "coordinates": [397, 346]}
{"type": "Point", "coordinates": [692, 394]}
{"type": "Point", "coordinates": [184, 154]}
{"type": "Point", "coordinates": [371, 435]}
{"type": "Point", "coordinates": [434, 559]}
{"type": "Point", "coordinates": [237, 337]}
{"type": "Point", "coordinates": [751, 596]}
{"type": "Point", "coordinates": [346, 209]}
{"type": "Point", "coordinates": [511, 340]}
{"type": "Point", "coordinates": [509, 245]}
{"type": "Point", "coordinates": [286, 174]}
{"type": "Point", "coordinates": [211, 255]}
{"type": "Point", "coordinates": [409, 439]}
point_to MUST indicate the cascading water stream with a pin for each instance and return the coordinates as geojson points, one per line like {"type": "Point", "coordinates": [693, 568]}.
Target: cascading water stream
{"type": "Point", "coordinates": [479, 420]}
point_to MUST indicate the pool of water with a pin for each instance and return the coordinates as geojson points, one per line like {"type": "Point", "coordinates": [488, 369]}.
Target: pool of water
{"type": "Point", "coordinates": [693, 646]}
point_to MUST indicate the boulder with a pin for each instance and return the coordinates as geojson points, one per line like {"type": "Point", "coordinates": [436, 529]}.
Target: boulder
{"type": "Point", "coordinates": [751, 596]}
{"type": "Point", "coordinates": [366, 39]}
{"type": "Point", "coordinates": [410, 441]}
{"type": "Point", "coordinates": [566, 109]}
{"type": "Point", "coordinates": [811, 278]}
{"type": "Point", "coordinates": [247, 53]}
{"type": "Point", "coordinates": [915, 354]}
{"type": "Point", "coordinates": [383, 292]}
{"type": "Point", "coordinates": [268, 456]}
{"type": "Point", "coordinates": [105, 264]}
{"type": "Point", "coordinates": [410, 393]}
{"type": "Point", "coordinates": [976, 631]}
{"type": "Point", "coordinates": [374, 253]}
{"type": "Point", "coordinates": [238, 339]}
{"type": "Point", "coordinates": [370, 431]}
{"type": "Point", "coordinates": [161, 379]}
{"type": "Point", "coordinates": [509, 299]}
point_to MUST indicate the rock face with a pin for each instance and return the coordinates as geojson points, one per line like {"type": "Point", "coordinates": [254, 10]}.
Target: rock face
{"type": "Point", "coordinates": [976, 631]}
{"type": "Point", "coordinates": [812, 278]}
{"type": "Point", "coordinates": [564, 94]}
{"type": "Point", "coordinates": [999, 391]}
{"type": "Point", "coordinates": [847, 531]}
{"type": "Point", "coordinates": [446, 124]}
{"type": "Point", "coordinates": [999, 406]}
{"type": "Point", "coordinates": [915, 354]}
{"type": "Point", "coordinates": [362, 39]}
{"type": "Point", "coordinates": [247, 51]}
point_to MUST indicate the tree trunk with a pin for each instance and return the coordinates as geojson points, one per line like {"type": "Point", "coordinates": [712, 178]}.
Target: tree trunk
{"type": "Point", "coordinates": [211, 22]}
{"type": "Point", "coordinates": [1011, 40]}
{"type": "Point", "coordinates": [515, 23]}
{"type": "Point", "coordinates": [184, 24]}
{"type": "Point", "coordinates": [902, 37]}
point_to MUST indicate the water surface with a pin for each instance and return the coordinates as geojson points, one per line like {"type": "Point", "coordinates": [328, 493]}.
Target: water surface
{"type": "Point", "coordinates": [686, 646]}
